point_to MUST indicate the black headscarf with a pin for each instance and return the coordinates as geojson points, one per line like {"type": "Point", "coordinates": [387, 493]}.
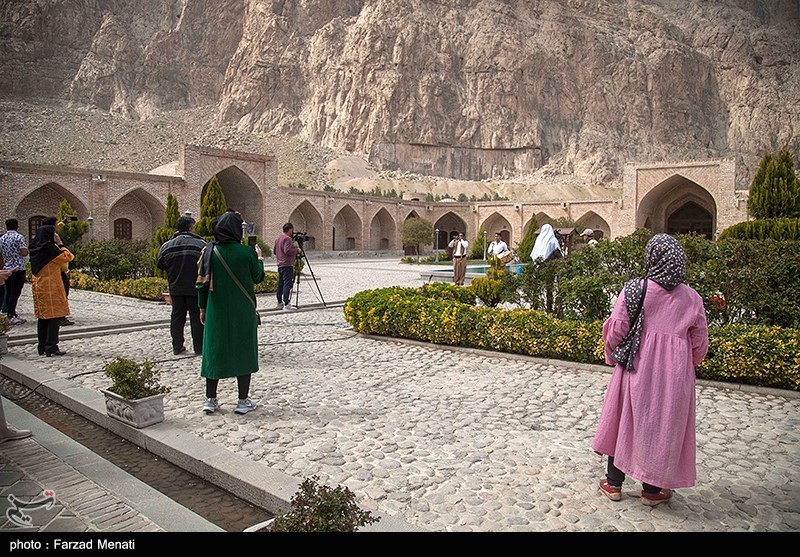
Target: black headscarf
{"type": "Point", "coordinates": [43, 249]}
{"type": "Point", "coordinates": [225, 228]}
{"type": "Point", "coordinates": [664, 264]}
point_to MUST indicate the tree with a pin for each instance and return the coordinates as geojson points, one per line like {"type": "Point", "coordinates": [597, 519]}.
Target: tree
{"type": "Point", "coordinates": [165, 232]}
{"type": "Point", "coordinates": [526, 245]}
{"type": "Point", "coordinates": [72, 230]}
{"type": "Point", "coordinates": [476, 248]}
{"type": "Point", "coordinates": [417, 232]}
{"type": "Point", "coordinates": [213, 205]}
{"type": "Point", "coordinates": [775, 189]}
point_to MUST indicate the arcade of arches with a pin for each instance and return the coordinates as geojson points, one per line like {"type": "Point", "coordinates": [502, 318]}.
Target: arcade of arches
{"type": "Point", "coordinates": [680, 197]}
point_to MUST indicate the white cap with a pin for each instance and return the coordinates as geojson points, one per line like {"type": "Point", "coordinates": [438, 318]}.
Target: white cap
{"type": "Point", "coordinates": [588, 232]}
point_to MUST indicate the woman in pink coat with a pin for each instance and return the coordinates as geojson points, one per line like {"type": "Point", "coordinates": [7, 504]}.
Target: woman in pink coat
{"type": "Point", "coordinates": [656, 335]}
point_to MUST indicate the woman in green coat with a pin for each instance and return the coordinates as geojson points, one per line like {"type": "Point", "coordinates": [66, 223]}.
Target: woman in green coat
{"type": "Point", "coordinates": [228, 310]}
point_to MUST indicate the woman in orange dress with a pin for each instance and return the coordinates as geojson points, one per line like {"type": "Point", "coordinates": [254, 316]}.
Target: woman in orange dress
{"type": "Point", "coordinates": [49, 297]}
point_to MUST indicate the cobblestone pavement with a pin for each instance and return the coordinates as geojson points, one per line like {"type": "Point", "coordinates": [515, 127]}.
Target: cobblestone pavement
{"type": "Point", "coordinates": [453, 440]}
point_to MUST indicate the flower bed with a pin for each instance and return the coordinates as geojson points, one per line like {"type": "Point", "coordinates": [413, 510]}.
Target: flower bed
{"type": "Point", "coordinates": [749, 354]}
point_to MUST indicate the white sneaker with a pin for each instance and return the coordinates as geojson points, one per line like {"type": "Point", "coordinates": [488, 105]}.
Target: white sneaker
{"type": "Point", "coordinates": [289, 307]}
{"type": "Point", "coordinates": [245, 406]}
{"type": "Point", "coordinates": [17, 320]}
{"type": "Point", "coordinates": [210, 405]}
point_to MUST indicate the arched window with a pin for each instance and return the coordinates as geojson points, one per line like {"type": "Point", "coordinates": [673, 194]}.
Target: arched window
{"type": "Point", "coordinates": [123, 229]}
{"type": "Point", "coordinates": [33, 226]}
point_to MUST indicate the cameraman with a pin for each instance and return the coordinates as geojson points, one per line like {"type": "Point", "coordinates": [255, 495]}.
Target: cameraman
{"type": "Point", "coordinates": [285, 256]}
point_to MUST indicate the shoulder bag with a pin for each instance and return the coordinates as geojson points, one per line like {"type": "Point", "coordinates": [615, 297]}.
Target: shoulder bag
{"type": "Point", "coordinates": [239, 284]}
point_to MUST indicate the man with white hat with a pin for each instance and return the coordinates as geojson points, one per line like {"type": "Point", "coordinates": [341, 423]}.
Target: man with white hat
{"type": "Point", "coordinates": [588, 236]}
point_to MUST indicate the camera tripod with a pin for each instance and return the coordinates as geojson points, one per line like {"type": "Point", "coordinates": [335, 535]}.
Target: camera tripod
{"type": "Point", "coordinates": [297, 281]}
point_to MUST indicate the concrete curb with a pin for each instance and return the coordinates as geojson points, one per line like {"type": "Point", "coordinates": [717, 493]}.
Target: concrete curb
{"type": "Point", "coordinates": [252, 481]}
{"type": "Point", "coordinates": [572, 365]}
{"type": "Point", "coordinates": [156, 506]}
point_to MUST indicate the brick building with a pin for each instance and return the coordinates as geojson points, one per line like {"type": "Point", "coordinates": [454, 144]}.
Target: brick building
{"type": "Point", "coordinates": [667, 197]}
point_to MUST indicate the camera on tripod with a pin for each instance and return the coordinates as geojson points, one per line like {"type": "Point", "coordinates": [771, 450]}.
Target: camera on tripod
{"type": "Point", "coordinates": [300, 238]}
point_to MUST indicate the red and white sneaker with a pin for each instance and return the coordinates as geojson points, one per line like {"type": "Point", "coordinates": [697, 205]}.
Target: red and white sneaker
{"type": "Point", "coordinates": [653, 499]}
{"type": "Point", "coordinates": [612, 492]}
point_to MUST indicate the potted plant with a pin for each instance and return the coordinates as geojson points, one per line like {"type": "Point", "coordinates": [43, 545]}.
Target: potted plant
{"type": "Point", "coordinates": [319, 508]}
{"type": "Point", "coordinates": [5, 325]}
{"type": "Point", "coordinates": [135, 396]}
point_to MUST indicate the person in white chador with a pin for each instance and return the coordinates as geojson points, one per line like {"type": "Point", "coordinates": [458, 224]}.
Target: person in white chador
{"type": "Point", "coordinates": [459, 246]}
{"type": "Point", "coordinates": [546, 246]}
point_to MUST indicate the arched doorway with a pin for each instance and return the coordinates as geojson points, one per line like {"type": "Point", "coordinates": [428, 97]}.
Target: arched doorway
{"type": "Point", "coordinates": [143, 211]}
{"type": "Point", "coordinates": [691, 217]}
{"type": "Point", "coordinates": [410, 249]}
{"type": "Point", "coordinates": [449, 225]}
{"type": "Point", "coordinates": [306, 218]}
{"type": "Point", "coordinates": [346, 230]}
{"type": "Point", "coordinates": [242, 194]}
{"type": "Point", "coordinates": [497, 223]}
{"type": "Point", "coordinates": [382, 231]}
{"type": "Point", "coordinates": [592, 220]}
{"type": "Point", "coordinates": [43, 201]}
{"type": "Point", "coordinates": [678, 203]}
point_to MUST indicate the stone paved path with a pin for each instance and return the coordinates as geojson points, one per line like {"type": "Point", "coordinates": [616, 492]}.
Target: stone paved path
{"type": "Point", "coordinates": [456, 441]}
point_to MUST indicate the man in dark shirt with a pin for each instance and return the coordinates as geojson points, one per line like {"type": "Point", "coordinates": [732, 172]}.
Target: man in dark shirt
{"type": "Point", "coordinates": [178, 256]}
{"type": "Point", "coordinates": [285, 256]}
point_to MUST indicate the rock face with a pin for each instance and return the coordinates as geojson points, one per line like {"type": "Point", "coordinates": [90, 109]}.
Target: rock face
{"type": "Point", "coordinates": [463, 88]}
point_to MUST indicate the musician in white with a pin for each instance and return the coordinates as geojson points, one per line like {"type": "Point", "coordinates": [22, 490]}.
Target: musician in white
{"type": "Point", "coordinates": [459, 246]}
{"type": "Point", "coordinates": [498, 246]}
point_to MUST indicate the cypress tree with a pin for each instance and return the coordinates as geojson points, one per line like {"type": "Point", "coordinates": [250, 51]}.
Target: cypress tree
{"type": "Point", "coordinates": [72, 231]}
{"type": "Point", "coordinates": [526, 245]}
{"type": "Point", "coordinates": [165, 232]}
{"type": "Point", "coordinates": [213, 206]}
{"type": "Point", "coordinates": [775, 191]}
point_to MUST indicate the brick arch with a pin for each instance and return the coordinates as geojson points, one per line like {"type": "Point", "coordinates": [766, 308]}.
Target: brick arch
{"type": "Point", "coordinates": [449, 225]}
{"type": "Point", "coordinates": [306, 218]}
{"type": "Point", "coordinates": [592, 220]}
{"type": "Point", "coordinates": [145, 212]}
{"type": "Point", "coordinates": [346, 230]}
{"type": "Point", "coordinates": [669, 196]}
{"type": "Point", "coordinates": [382, 231]}
{"type": "Point", "coordinates": [44, 200]}
{"type": "Point", "coordinates": [241, 194]}
{"type": "Point", "coordinates": [543, 218]}
{"type": "Point", "coordinates": [498, 223]}
{"type": "Point", "coordinates": [412, 214]}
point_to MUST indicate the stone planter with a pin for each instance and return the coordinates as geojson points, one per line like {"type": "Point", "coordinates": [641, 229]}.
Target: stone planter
{"type": "Point", "coordinates": [3, 344]}
{"type": "Point", "coordinates": [139, 413]}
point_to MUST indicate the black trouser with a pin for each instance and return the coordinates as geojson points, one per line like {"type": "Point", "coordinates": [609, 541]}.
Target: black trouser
{"type": "Point", "coordinates": [285, 279]}
{"type": "Point", "coordinates": [615, 477]}
{"type": "Point", "coordinates": [47, 333]}
{"type": "Point", "coordinates": [180, 305]}
{"type": "Point", "coordinates": [14, 285]}
{"type": "Point", "coordinates": [242, 380]}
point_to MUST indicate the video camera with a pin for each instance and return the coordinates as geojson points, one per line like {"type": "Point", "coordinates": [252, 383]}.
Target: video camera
{"type": "Point", "coordinates": [300, 238]}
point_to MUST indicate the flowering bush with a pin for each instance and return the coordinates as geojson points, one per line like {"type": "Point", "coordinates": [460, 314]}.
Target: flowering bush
{"type": "Point", "coordinates": [756, 355]}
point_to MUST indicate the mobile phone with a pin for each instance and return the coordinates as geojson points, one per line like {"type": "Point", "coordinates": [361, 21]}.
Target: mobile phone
{"type": "Point", "coordinates": [252, 240]}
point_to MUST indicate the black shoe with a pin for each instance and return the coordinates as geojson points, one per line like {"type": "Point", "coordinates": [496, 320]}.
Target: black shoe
{"type": "Point", "coordinates": [179, 351]}
{"type": "Point", "coordinates": [67, 321]}
{"type": "Point", "coordinates": [55, 353]}
{"type": "Point", "coordinates": [40, 350]}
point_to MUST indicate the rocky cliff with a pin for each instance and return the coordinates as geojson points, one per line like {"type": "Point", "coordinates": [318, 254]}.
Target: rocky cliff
{"type": "Point", "coordinates": [466, 88]}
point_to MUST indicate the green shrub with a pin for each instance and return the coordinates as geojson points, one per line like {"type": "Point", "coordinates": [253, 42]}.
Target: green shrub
{"type": "Point", "coordinates": [753, 355]}
{"type": "Point", "coordinates": [132, 381]}
{"type": "Point", "coordinates": [757, 355]}
{"type": "Point", "coordinates": [488, 290]}
{"type": "Point", "coordinates": [320, 508]}
{"type": "Point", "coordinates": [115, 259]}
{"type": "Point", "coordinates": [766, 229]}
{"type": "Point", "coordinates": [269, 284]}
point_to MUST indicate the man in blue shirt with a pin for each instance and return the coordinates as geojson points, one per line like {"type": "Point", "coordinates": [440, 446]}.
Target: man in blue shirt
{"type": "Point", "coordinates": [14, 251]}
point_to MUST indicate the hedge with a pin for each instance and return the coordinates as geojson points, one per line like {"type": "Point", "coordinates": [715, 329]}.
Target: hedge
{"type": "Point", "coordinates": [764, 229]}
{"type": "Point", "coordinates": [750, 354]}
{"type": "Point", "coordinates": [149, 288]}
